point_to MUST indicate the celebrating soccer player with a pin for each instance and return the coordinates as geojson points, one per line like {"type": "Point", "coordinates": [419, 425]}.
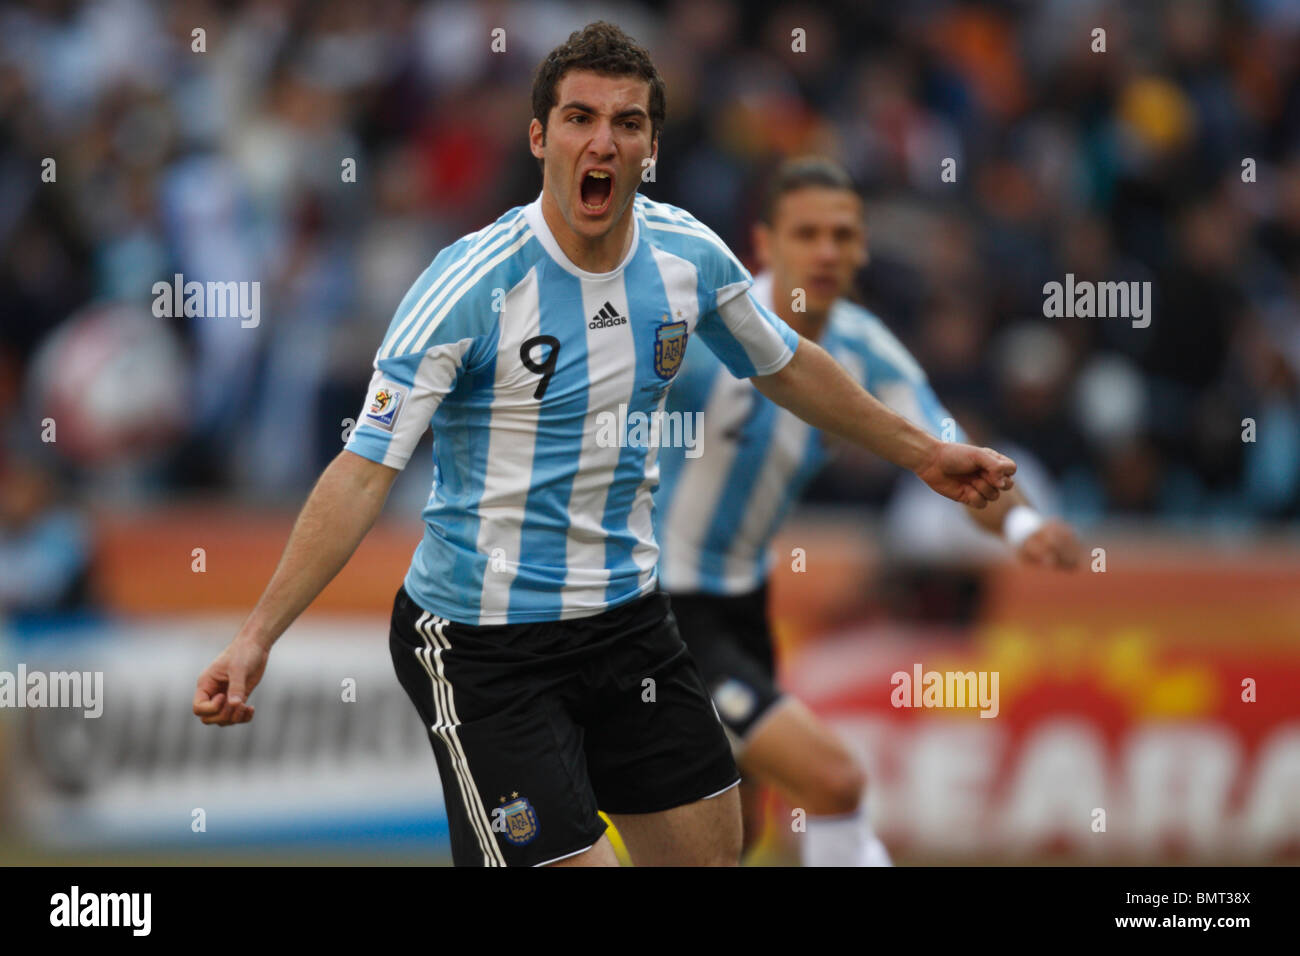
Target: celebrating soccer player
{"type": "Point", "coordinates": [530, 632]}
{"type": "Point", "coordinates": [719, 511]}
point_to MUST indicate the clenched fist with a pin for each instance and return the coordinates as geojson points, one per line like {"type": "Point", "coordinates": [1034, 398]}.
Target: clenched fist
{"type": "Point", "coordinates": [222, 693]}
{"type": "Point", "coordinates": [973, 476]}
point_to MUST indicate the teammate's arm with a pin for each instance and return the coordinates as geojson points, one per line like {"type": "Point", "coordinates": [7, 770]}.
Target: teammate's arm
{"type": "Point", "coordinates": [813, 386]}
{"type": "Point", "coordinates": [1049, 542]}
{"type": "Point", "coordinates": [342, 507]}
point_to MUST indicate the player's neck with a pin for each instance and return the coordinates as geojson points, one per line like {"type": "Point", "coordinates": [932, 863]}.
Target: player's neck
{"type": "Point", "coordinates": [602, 254]}
{"type": "Point", "coordinates": [810, 325]}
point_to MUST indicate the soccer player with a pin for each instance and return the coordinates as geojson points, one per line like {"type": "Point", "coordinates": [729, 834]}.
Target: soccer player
{"type": "Point", "coordinates": [529, 631]}
{"type": "Point", "coordinates": [719, 510]}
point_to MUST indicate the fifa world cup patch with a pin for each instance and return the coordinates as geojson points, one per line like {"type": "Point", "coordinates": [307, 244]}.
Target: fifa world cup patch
{"type": "Point", "coordinates": [384, 404]}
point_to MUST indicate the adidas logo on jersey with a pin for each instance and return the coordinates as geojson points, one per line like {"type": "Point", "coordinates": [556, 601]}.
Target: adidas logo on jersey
{"type": "Point", "coordinates": [607, 316]}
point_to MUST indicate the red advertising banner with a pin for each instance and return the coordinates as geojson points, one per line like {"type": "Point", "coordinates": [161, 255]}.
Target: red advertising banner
{"type": "Point", "coordinates": [1150, 713]}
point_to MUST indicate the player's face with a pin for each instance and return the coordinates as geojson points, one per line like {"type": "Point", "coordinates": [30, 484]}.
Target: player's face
{"type": "Point", "coordinates": [597, 139]}
{"type": "Point", "coordinates": [816, 242]}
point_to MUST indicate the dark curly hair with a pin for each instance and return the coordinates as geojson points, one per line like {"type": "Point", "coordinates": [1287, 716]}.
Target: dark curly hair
{"type": "Point", "coordinates": [602, 48]}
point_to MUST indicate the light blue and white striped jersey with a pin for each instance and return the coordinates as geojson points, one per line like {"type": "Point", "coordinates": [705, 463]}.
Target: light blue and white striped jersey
{"type": "Point", "coordinates": [719, 510]}
{"type": "Point", "coordinates": [518, 359]}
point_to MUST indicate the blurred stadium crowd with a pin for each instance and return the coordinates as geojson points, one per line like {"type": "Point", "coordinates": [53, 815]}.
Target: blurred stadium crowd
{"type": "Point", "coordinates": [227, 164]}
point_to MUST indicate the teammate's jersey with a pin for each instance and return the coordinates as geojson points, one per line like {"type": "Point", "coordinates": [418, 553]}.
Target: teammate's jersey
{"type": "Point", "coordinates": [528, 369]}
{"type": "Point", "coordinates": [719, 510]}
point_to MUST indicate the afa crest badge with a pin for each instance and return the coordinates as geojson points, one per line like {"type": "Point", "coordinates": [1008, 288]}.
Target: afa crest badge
{"type": "Point", "coordinates": [670, 347]}
{"type": "Point", "coordinates": [519, 821]}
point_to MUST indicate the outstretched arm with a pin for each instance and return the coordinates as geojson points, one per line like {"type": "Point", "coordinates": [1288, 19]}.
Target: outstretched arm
{"type": "Point", "coordinates": [813, 386]}
{"type": "Point", "coordinates": [339, 511]}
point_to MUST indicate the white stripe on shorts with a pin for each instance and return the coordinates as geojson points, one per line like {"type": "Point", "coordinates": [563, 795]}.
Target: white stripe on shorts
{"type": "Point", "coordinates": [445, 708]}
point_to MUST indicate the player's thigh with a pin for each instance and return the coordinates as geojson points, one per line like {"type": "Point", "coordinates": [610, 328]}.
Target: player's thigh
{"type": "Point", "coordinates": [751, 812]}
{"type": "Point", "coordinates": [658, 758]}
{"type": "Point", "coordinates": [704, 833]}
{"type": "Point", "coordinates": [601, 854]}
{"type": "Point", "coordinates": [794, 750]}
{"type": "Point", "coordinates": [660, 751]}
{"type": "Point", "coordinates": [653, 739]}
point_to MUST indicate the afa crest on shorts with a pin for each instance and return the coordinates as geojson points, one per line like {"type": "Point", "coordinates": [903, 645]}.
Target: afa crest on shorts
{"type": "Point", "coordinates": [670, 347]}
{"type": "Point", "coordinates": [519, 821]}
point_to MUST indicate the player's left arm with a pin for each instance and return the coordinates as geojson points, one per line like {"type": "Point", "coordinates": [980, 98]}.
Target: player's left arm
{"type": "Point", "coordinates": [895, 377]}
{"type": "Point", "coordinates": [813, 386]}
{"type": "Point", "coordinates": [753, 342]}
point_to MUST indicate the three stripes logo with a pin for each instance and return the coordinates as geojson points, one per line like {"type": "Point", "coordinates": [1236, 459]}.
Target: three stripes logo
{"type": "Point", "coordinates": [606, 317]}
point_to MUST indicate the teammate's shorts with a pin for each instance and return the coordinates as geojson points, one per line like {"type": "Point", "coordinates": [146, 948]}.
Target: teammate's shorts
{"type": "Point", "coordinates": [731, 641]}
{"type": "Point", "coordinates": [536, 727]}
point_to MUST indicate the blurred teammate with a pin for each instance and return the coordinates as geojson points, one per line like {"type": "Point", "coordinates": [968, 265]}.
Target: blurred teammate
{"type": "Point", "coordinates": [529, 631]}
{"type": "Point", "coordinates": [718, 511]}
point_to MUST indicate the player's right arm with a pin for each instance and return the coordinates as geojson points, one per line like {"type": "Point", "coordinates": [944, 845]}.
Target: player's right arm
{"type": "Point", "coordinates": [441, 326]}
{"type": "Point", "coordinates": [338, 513]}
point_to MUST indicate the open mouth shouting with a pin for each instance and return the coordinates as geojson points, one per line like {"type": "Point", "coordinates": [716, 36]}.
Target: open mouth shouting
{"type": "Point", "coordinates": [596, 191]}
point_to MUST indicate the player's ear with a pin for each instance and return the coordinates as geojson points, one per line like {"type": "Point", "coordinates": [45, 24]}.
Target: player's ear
{"type": "Point", "coordinates": [536, 138]}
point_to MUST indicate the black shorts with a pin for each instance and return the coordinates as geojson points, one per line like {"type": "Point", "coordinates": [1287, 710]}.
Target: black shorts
{"type": "Point", "coordinates": [537, 726]}
{"type": "Point", "coordinates": [731, 641]}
